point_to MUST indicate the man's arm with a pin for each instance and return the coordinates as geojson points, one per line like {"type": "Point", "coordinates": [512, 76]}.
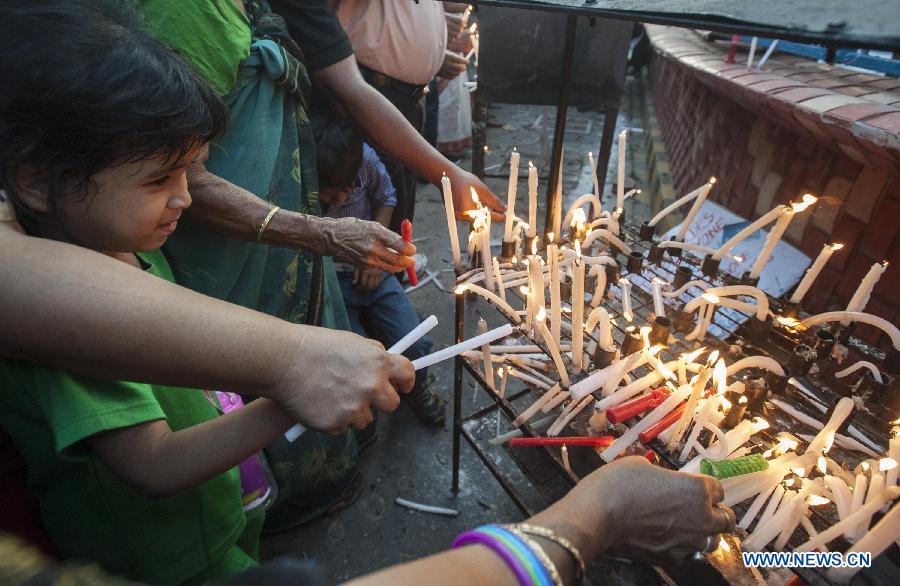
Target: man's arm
{"type": "Point", "coordinates": [159, 462]}
{"type": "Point", "coordinates": [236, 213]}
{"type": "Point", "coordinates": [77, 310]}
{"type": "Point", "coordinates": [390, 132]}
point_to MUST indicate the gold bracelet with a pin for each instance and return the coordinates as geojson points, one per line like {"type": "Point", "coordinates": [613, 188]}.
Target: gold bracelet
{"type": "Point", "coordinates": [539, 552]}
{"type": "Point", "coordinates": [560, 541]}
{"type": "Point", "coordinates": [265, 223]}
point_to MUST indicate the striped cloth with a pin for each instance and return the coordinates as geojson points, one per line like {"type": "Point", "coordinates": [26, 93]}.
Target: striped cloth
{"type": "Point", "coordinates": [372, 189]}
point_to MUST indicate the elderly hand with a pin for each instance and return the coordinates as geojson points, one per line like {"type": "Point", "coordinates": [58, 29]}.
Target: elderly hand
{"type": "Point", "coordinates": [366, 244]}
{"type": "Point", "coordinates": [633, 509]}
{"type": "Point", "coordinates": [338, 378]}
{"type": "Point", "coordinates": [461, 182]}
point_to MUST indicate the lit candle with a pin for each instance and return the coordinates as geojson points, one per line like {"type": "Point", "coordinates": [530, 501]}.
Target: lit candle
{"type": "Point", "coordinates": [765, 220]}
{"type": "Point", "coordinates": [890, 479]}
{"type": "Point", "coordinates": [701, 197]}
{"type": "Point", "coordinates": [486, 355]}
{"type": "Point", "coordinates": [866, 511]}
{"type": "Point", "coordinates": [620, 177]}
{"type": "Point", "coordinates": [552, 346]}
{"type": "Point", "coordinates": [775, 234]}
{"type": "Point", "coordinates": [709, 407]}
{"type": "Point", "coordinates": [631, 435]}
{"type": "Point", "coordinates": [876, 486]}
{"type": "Point", "coordinates": [511, 195]}
{"type": "Point", "coordinates": [813, 271]}
{"type": "Point", "coordinates": [659, 308]}
{"type": "Point", "coordinates": [625, 286]}
{"type": "Point", "coordinates": [451, 222]}
{"type": "Point", "coordinates": [485, 246]}
{"type": "Point", "coordinates": [532, 200]}
{"type": "Point", "coordinates": [593, 167]}
{"type": "Point", "coordinates": [555, 302]}
{"type": "Point", "coordinates": [577, 302]}
{"type": "Point", "coordinates": [856, 503]}
{"type": "Point", "coordinates": [864, 291]}
{"type": "Point", "coordinates": [536, 283]}
{"type": "Point", "coordinates": [600, 317]}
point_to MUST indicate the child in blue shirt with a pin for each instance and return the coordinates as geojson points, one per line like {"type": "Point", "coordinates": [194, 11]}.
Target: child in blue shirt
{"type": "Point", "coordinates": [353, 182]}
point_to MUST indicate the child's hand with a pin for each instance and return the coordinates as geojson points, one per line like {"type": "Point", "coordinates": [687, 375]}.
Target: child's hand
{"type": "Point", "coordinates": [367, 279]}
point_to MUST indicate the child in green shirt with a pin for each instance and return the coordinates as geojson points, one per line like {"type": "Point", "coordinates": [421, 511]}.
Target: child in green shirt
{"type": "Point", "coordinates": [100, 123]}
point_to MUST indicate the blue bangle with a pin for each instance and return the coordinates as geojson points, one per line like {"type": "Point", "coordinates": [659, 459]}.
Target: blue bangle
{"type": "Point", "coordinates": [518, 556]}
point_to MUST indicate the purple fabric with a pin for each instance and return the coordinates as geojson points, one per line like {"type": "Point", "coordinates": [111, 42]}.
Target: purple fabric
{"type": "Point", "coordinates": [254, 483]}
{"type": "Point", "coordinates": [372, 189]}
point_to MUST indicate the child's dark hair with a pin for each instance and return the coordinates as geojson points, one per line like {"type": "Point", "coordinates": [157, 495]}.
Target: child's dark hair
{"type": "Point", "coordinates": [338, 148]}
{"type": "Point", "coordinates": [85, 88]}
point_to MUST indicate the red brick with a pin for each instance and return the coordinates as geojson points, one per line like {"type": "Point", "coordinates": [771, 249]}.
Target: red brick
{"type": "Point", "coordinates": [847, 231]}
{"type": "Point", "coordinates": [846, 167]}
{"type": "Point", "coordinates": [875, 306]}
{"type": "Point", "coordinates": [855, 112]}
{"type": "Point", "coordinates": [817, 298]}
{"type": "Point", "coordinates": [852, 275]}
{"type": "Point", "coordinates": [813, 241]}
{"type": "Point", "coordinates": [798, 95]}
{"type": "Point", "coordinates": [891, 277]}
{"type": "Point", "coordinates": [881, 230]}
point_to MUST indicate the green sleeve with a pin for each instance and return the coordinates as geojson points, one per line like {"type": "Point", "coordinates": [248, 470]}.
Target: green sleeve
{"type": "Point", "coordinates": [78, 407]}
{"type": "Point", "coordinates": [212, 35]}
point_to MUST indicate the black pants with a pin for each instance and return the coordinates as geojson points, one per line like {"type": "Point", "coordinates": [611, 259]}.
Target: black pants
{"type": "Point", "coordinates": [404, 178]}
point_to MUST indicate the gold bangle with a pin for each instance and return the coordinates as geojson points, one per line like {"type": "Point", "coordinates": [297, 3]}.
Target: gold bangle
{"type": "Point", "coordinates": [265, 223]}
{"type": "Point", "coordinates": [559, 540]}
{"type": "Point", "coordinates": [539, 552]}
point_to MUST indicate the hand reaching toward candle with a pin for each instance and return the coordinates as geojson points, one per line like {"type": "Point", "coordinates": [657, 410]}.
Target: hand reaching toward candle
{"type": "Point", "coordinates": [636, 510]}
{"type": "Point", "coordinates": [460, 182]}
{"type": "Point", "coordinates": [352, 375]}
{"type": "Point", "coordinates": [365, 243]}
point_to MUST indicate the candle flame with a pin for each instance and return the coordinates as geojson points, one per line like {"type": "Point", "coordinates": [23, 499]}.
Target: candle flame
{"type": "Point", "coordinates": [712, 358]}
{"type": "Point", "coordinates": [550, 236]}
{"type": "Point", "coordinates": [577, 251]}
{"type": "Point", "coordinates": [767, 454]}
{"type": "Point", "coordinates": [822, 465]}
{"type": "Point", "coordinates": [837, 246]}
{"type": "Point", "coordinates": [789, 482]}
{"type": "Point", "coordinates": [485, 148]}
{"type": "Point", "coordinates": [534, 246]}
{"type": "Point", "coordinates": [799, 471]}
{"type": "Point", "coordinates": [719, 376]}
{"type": "Point", "coordinates": [815, 500]}
{"type": "Point", "coordinates": [541, 314]}
{"type": "Point", "coordinates": [724, 545]}
{"type": "Point", "coordinates": [690, 356]}
{"type": "Point", "coordinates": [865, 466]}
{"type": "Point", "coordinates": [578, 217]}
{"type": "Point", "coordinates": [474, 195]}
{"type": "Point", "coordinates": [712, 180]}
{"type": "Point", "coordinates": [461, 289]}
{"type": "Point", "coordinates": [807, 200]}
{"type": "Point", "coordinates": [710, 298]}
{"type": "Point", "coordinates": [473, 28]}
{"type": "Point", "coordinates": [726, 404]}
{"type": "Point", "coordinates": [530, 165]}
{"type": "Point", "coordinates": [788, 322]}
{"type": "Point", "coordinates": [742, 400]}
{"type": "Point", "coordinates": [524, 290]}
{"type": "Point", "coordinates": [760, 424]}
{"type": "Point", "coordinates": [787, 444]}
{"type": "Point", "coordinates": [886, 464]}
{"type": "Point", "coordinates": [737, 258]}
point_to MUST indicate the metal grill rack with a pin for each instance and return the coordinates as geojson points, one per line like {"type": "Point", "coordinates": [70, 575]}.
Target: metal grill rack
{"type": "Point", "coordinates": [546, 477]}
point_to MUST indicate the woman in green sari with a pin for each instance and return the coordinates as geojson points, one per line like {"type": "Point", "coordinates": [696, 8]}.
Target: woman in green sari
{"type": "Point", "coordinates": [267, 150]}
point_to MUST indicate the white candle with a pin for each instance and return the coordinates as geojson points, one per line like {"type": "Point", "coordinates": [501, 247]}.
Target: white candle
{"type": "Point", "coordinates": [772, 240]}
{"type": "Point", "coordinates": [536, 283]}
{"type": "Point", "coordinates": [701, 197]}
{"type": "Point", "coordinates": [625, 286]}
{"type": "Point", "coordinates": [766, 532]}
{"type": "Point", "coordinates": [864, 291]}
{"type": "Point", "coordinates": [555, 302]}
{"type": "Point", "coordinates": [659, 308]}
{"type": "Point", "coordinates": [577, 302]}
{"type": "Point", "coordinates": [501, 288]}
{"type": "Point", "coordinates": [532, 200]}
{"type": "Point", "coordinates": [598, 271]}
{"type": "Point", "coordinates": [890, 477]}
{"type": "Point", "coordinates": [552, 346]}
{"type": "Point", "coordinates": [813, 271]}
{"type": "Point", "coordinates": [593, 167]}
{"type": "Point", "coordinates": [856, 503]}
{"type": "Point", "coordinates": [876, 485]}
{"type": "Point", "coordinates": [620, 177]}
{"type": "Point", "coordinates": [485, 247]}
{"type": "Point", "coordinates": [652, 418]}
{"type": "Point", "coordinates": [777, 495]}
{"type": "Point", "coordinates": [511, 195]}
{"type": "Point", "coordinates": [469, 344]}
{"type": "Point", "coordinates": [492, 297]}
{"type": "Point", "coordinates": [886, 532]}
{"type": "Point", "coordinates": [769, 217]}
{"type": "Point", "coordinates": [451, 222]}
{"type": "Point", "coordinates": [841, 493]}
{"type": "Point", "coordinates": [409, 339]}
{"type": "Point", "coordinates": [486, 355]}
{"type": "Point", "coordinates": [867, 510]}
{"type": "Point", "coordinates": [504, 376]}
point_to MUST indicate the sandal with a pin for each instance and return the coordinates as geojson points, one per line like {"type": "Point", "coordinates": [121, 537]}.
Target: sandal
{"type": "Point", "coordinates": [428, 407]}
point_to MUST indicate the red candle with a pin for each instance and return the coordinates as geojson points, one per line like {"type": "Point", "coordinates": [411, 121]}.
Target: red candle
{"type": "Point", "coordinates": [732, 50]}
{"type": "Point", "coordinates": [406, 233]}
{"type": "Point", "coordinates": [650, 434]}
{"type": "Point", "coordinates": [602, 441]}
{"type": "Point", "coordinates": [634, 407]}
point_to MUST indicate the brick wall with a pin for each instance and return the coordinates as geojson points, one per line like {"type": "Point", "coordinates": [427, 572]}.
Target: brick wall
{"type": "Point", "coordinates": [760, 163]}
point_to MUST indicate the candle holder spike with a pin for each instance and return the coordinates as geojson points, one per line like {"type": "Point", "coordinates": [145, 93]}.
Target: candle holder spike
{"type": "Point", "coordinates": [746, 279]}
{"type": "Point", "coordinates": [674, 251]}
{"type": "Point", "coordinates": [507, 250]}
{"type": "Point", "coordinates": [683, 320]}
{"type": "Point", "coordinates": [823, 343]}
{"type": "Point", "coordinates": [710, 266]}
{"type": "Point", "coordinates": [647, 231]}
{"type": "Point", "coordinates": [612, 274]}
{"type": "Point", "coordinates": [758, 330]}
{"type": "Point", "coordinates": [789, 309]}
{"type": "Point", "coordinates": [801, 359]}
{"type": "Point", "coordinates": [635, 262]}
{"type": "Point", "coordinates": [632, 343]}
{"type": "Point", "coordinates": [656, 254]}
{"type": "Point", "coordinates": [683, 274]}
{"type": "Point", "coordinates": [602, 358]}
{"type": "Point", "coordinates": [777, 383]}
{"type": "Point", "coordinates": [660, 329]}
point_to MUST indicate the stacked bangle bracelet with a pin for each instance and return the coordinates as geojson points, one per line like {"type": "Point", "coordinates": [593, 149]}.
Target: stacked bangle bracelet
{"type": "Point", "coordinates": [525, 558]}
